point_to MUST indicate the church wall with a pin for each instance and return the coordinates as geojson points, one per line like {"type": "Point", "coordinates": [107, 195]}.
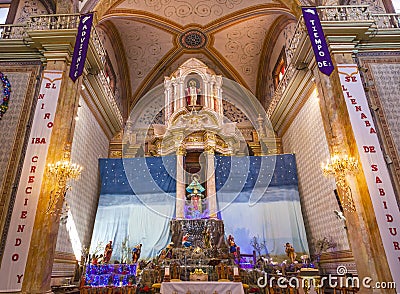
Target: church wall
{"type": "Point", "coordinates": [306, 138]}
{"type": "Point", "coordinates": [89, 144]}
{"type": "Point", "coordinates": [22, 78]}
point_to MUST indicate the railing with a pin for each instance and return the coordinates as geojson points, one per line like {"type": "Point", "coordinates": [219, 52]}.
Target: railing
{"type": "Point", "coordinates": [294, 42]}
{"type": "Point", "coordinates": [54, 22]}
{"type": "Point", "coordinates": [12, 31]}
{"type": "Point", "coordinates": [61, 22]}
{"type": "Point", "coordinates": [64, 22]}
{"type": "Point", "coordinates": [281, 88]}
{"type": "Point", "coordinates": [98, 46]}
{"type": "Point", "coordinates": [109, 94]}
{"type": "Point", "coordinates": [359, 13]}
{"type": "Point", "coordinates": [387, 21]}
{"type": "Point", "coordinates": [344, 13]}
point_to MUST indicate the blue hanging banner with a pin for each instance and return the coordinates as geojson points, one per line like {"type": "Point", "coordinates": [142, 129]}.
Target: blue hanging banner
{"type": "Point", "coordinates": [81, 46]}
{"type": "Point", "coordinates": [317, 38]}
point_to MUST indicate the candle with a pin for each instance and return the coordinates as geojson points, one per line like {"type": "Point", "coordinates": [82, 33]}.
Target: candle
{"type": "Point", "coordinates": [235, 271]}
{"type": "Point", "coordinates": [167, 271]}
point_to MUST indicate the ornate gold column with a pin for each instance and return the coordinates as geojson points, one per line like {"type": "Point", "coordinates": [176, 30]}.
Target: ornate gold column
{"type": "Point", "coordinates": [180, 183]}
{"type": "Point", "coordinates": [39, 264]}
{"type": "Point", "coordinates": [363, 235]}
{"type": "Point", "coordinates": [211, 186]}
{"type": "Point", "coordinates": [56, 50]}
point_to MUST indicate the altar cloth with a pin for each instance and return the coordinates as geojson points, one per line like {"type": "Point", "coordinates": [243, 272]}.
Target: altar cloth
{"type": "Point", "coordinates": [201, 288]}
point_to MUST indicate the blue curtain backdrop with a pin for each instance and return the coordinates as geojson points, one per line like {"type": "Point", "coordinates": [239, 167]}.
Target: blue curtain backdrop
{"type": "Point", "coordinates": [257, 197]}
{"type": "Point", "coordinates": [141, 214]}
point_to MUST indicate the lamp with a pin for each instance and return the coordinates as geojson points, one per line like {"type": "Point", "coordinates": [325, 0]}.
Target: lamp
{"type": "Point", "coordinates": [62, 171]}
{"type": "Point", "coordinates": [340, 166]}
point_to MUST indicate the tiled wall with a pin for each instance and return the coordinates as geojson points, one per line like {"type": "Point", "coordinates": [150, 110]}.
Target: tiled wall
{"type": "Point", "coordinates": [90, 143]}
{"type": "Point", "coordinates": [22, 78]}
{"type": "Point", "coordinates": [306, 138]}
{"type": "Point", "coordinates": [387, 82]}
{"type": "Point", "coordinates": [19, 84]}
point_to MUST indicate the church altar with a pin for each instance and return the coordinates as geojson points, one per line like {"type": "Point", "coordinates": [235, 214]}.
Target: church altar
{"type": "Point", "coordinates": [201, 287]}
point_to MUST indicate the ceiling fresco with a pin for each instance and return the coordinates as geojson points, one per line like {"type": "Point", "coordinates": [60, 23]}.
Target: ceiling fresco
{"type": "Point", "coordinates": [157, 36]}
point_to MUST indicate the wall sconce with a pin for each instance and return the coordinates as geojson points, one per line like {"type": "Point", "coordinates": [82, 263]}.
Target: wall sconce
{"type": "Point", "coordinates": [340, 166]}
{"type": "Point", "coordinates": [61, 171]}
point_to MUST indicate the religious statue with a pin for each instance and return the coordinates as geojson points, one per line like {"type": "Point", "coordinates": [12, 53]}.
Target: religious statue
{"type": "Point", "coordinates": [95, 259]}
{"type": "Point", "coordinates": [108, 252]}
{"type": "Point", "coordinates": [136, 253]}
{"type": "Point", "coordinates": [207, 237]}
{"type": "Point", "coordinates": [290, 252]}
{"type": "Point", "coordinates": [166, 253]}
{"type": "Point", "coordinates": [185, 241]}
{"type": "Point", "coordinates": [191, 93]}
{"type": "Point", "coordinates": [231, 244]}
{"type": "Point", "coordinates": [195, 189]}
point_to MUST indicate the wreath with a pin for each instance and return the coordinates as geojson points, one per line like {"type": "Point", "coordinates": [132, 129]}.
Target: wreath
{"type": "Point", "coordinates": [6, 94]}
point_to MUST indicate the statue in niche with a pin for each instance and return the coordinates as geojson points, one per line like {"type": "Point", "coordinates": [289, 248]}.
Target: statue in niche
{"type": "Point", "coordinates": [195, 189]}
{"type": "Point", "coordinates": [192, 93]}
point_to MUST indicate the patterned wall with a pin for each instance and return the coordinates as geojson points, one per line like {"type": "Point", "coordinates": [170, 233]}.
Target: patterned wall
{"type": "Point", "coordinates": [19, 86]}
{"type": "Point", "coordinates": [23, 81]}
{"type": "Point", "coordinates": [382, 82]}
{"type": "Point", "coordinates": [27, 9]}
{"type": "Point", "coordinates": [90, 143]}
{"type": "Point", "coordinates": [387, 81]}
{"type": "Point", "coordinates": [306, 138]}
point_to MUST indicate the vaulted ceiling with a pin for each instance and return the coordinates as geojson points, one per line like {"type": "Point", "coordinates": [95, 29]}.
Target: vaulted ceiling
{"type": "Point", "coordinates": [153, 37]}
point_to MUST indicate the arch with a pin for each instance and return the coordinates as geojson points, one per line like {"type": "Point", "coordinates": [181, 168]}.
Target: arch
{"type": "Point", "coordinates": [103, 6]}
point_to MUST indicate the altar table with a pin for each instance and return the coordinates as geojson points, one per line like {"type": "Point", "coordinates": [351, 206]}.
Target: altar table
{"type": "Point", "coordinates": [201, 288]}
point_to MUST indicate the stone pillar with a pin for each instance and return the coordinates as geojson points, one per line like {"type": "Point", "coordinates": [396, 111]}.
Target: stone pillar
{"type": "Point", "coordinates": [181, 94]}
{"type": "Point", "coordinates": [39, 264]}
{"type": "Point", "coordinates": [206, 93]}
{"type": "Point", "coordinates": [219, 109]}
{"type": "Point", "coordinates": [180, 183]}
{"type": "Point", "coordinates": [174, 95]}
{"type": "Point", "coordinates": [168, 102]}
{"type": "Point", "coordinates": [211, 97]}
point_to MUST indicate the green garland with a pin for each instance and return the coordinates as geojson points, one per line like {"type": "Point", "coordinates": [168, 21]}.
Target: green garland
{"type": "Point", "coordinates": [6, 94]}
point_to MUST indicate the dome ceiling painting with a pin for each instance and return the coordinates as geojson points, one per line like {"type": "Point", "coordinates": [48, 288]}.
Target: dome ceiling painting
{"type": "Point", "coordinates": [152, 38]}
